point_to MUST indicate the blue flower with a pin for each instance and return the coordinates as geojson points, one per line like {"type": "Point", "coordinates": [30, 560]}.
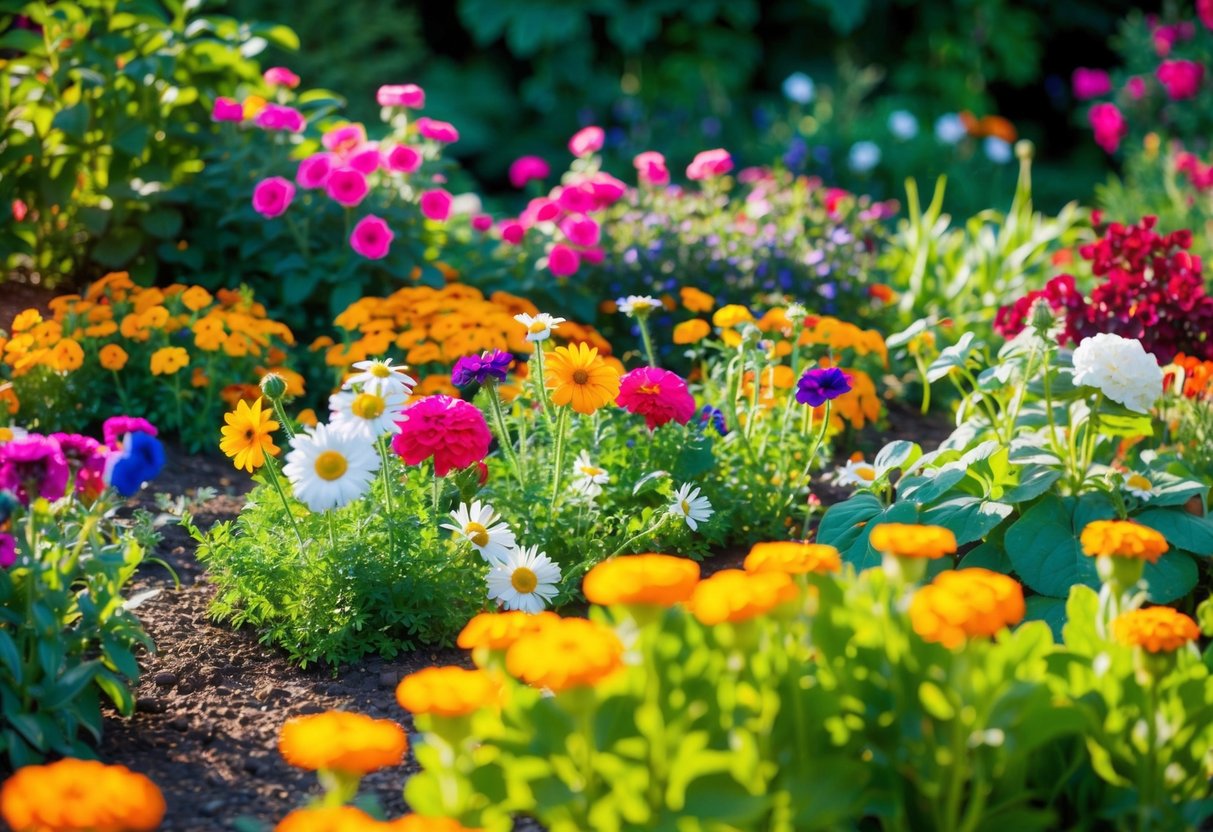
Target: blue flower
{"type": "Point", "coordinates": [709, 415]}
{"type": "Point", "coordinates": [139, 461]}
{"type": "Point", "coordinates": [820, 385]}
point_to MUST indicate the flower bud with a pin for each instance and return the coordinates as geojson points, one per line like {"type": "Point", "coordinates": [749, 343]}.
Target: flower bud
{"type": "Point", "coordinates": [1024, 150]}
{"type": "Point", "coordinates": [273, 386]}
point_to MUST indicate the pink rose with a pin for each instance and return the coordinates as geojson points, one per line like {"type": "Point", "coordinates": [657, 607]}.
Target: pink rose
{"type": "Point", "coordinates": [371, 237]}
{"type": "Point", "coordinates": [272, 196]}
{"type": "Point", "coordinates": [439, 131]}
{"type": "Point", "coordinates": [314, 171]}
{"type": "Point", "coordinates": [278, 117]}
{"type": "Point", "coordinates": [280, 76]}
{"type": "Point", "coordinates": [1204, 10]}
{"type": "Point", "coordinates": [1109, 126]}
{"type": "Point", "coordinates": [580, 230]}
{"type": "Point", "coordinates": [1181, 79]}
{"type": "Point", "coordinates": [563, 261]}
{"type": "Point", "coordinates": [587, 140]}
{"type": "Point", "coordinates": [344, 140]}
{"type": "Point", "coordinates": [401, 95]}
{"type": "Point", "coordinates": [593, 255]}
{"type": "Point", "coordinates": [1090, 83]}
{"type": "Point", "coordinates": [512, 231]}
{"type": "Point", "coordinates": [577, 199]}
{"type": "Point", "coordinates": [346, 186]}
{"type": "Point", "coordinates": [482, 222]}
{"type": "Point", "coordinates": [366, 159]}
{"type": "Point", "coordinates": [539, 209]}
{"type": "Point", "coordinates": [526, 168]}
{"type": "Point", "coordinates": [436, 204]}
{"type": "Point", "coordinates": [651, 168]}
{"type": "Point", "coordinates": [227, 109]}
{"type": "Point", "coordinates": [403, 159]}
{"type": "Point", "coordinates": [709, 164]}
{"type": "Point", "coordinates": [1135, 87]}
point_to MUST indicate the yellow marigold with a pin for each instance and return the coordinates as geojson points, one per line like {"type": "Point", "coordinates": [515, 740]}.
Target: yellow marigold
{"type": "Point", "coordinates": [26, 319]}
{"type": "Point", "coordinates": [565, 653]}
{"type": "Point", "coordinates": [67, 356]}
{"type": "Point", "coordinates": [1122, 539]}
{"type": "Point", "coordinates": [581, 378]}
{"type": "Point", "coordinates": [696, 300]}
{"type": "Point", "coordinates": [664, 580]}
{"type": "Point", "coordinates": [909, 540]}
{"type": "Point", "coordinates": [342, 741]}
{"type": "Point", "coordinates": [420, 823]}
{"type": "Point", "coordinates": [427, 353]}
{"type": "Point", "coordinates": [47, 333]}
{"type": "Point", "coordinates": [734, 595]}
{"type": "Point", "coordinates": [199, 378]}
{"type": "Point", "coordinates": [966, 603]}
{"type": "Point", "coordinates": [104, 329]}
{"type": "Point", "coordinates": [1156, 629]}
{"type": "Point", "coordinates": [793, 557]}
{"type": "Point", "coordinates": [329, 819]}
{"type": "Point", "coordinates": [237, 345]}
{"type": "Point", "coordinates": [9, 400]}
{"type": "Point", "coordinates": [195, 298]}
{"type": "Point", "coordinates": [307, 417]}
{"type": "Point", "coordinates": [248, 436]}
{"type": "Point", "coordinates": [447, 691]}
{"type": "Point", "coordinates": [80, 796]}
{"type": "Point", "coordinates": [499, 630]}
{"type": "Point", "coordinates": [168, 360]}
{"type": "Point", "coordinates": [232, 394]}
{"type": "Point", "coordinates": [731, 315]}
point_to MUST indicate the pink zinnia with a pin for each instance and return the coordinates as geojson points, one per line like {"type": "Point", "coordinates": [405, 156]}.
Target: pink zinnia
{"type": "Point", "coordinates": [403, 159]}
{"type": "Point", "coordinates": [278, 117]}
{"type": "Point", "coordinates": [115, 429]}
{"type": "Point", "coordinates": [1090, 83]}
{"type": "Point", "coordinates": [709, 164]}
{"type": "Point", "coordinates": [512, 231]}
{"type": "Point", "coordinates": [439, 131]}
{"type": "Point", "coordinates": [451, 431]}
{"type": "Point", "coordinates": [651, 168]}
{"type": "Point", "coordinates": [280, 76]}
{"type": "Point", "coordinates": [8, 550]}
{"type": "Point", "coordinates": [1204, 10]}
{"type": "Point", "coordinates": [482, 222]}
{"type": "Point", "coordinates": [607, 189]}
{"type": "Point", "coordinates": [580, 230]}
{"type": "Point", "coordinates": [314, 171]}
{"type": "Point", "coordinates": [33, 466]}
{"type": "Point", "coordinates": [1109, 126]}
{"type": "Point", "coordinates": [1136, 87]}
{"type": "Point", "coordinates": [539, 209]}
{"type": "Point", "coordinates": [344, 140]}
{"type": "Point", "coordinates": [346, 186]}
{"type": "Point", "coordinates": [526, 168]}
{"type": "Point", "coordinates": [436, 204]}
{"type": "Point", "coordinates": [658, 395]}
{"type": "Point", "coordinates": [86, 459]}
{"type": "Point", "coordinates": [273, 196]}
{"type": "Point", "coordinates": [371, 237]}
{"type": "Point", "coordinates": [227, 109]}
{"type": "Point", "coordinates": [366, 159]}
{"type": "Point", "coordinates": [577, 199]}
{"type": "Point", "coordinates": [401, 95]}
{"type": "Point", "coordinates": [563, 261]}
{"type": "Point", "coordinates": [1181, 79]}
{"type": "Point", "coordinates": [587, 140]}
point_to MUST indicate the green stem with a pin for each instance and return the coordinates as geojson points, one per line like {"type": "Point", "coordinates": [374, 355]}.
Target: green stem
{"type": "Point", "coordinates": [643, 323]}
{"type": "Point", "coordinates": [269, 467]}
{"type": "Point", "coordinates": [503, 432]}
{"type": "Point", "coordinates": [387, 491]}
{"type": "Point", "coordinates": [562, 425]}
{"type": "Point", "coordinates": [665, 516]}
{"type": "Point", "coordinates": [280, 412]}
{"type": "Point", "coordinates": [926, 385]}
{"type": "Point", "coordinates": [541, 383]}
{"type": "Point", "coordinates": [437, 495]}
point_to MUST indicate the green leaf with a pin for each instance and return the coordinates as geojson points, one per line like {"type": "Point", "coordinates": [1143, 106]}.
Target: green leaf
{"type": "Point", "coordinates": [1181, 529]}
{"type": "Point", "coordinates": [1171, 578]}
{"type": "Point", "coordinates": [969, 518]}
{"type": "Point", "coordinates": [953, 357]}
{"type": "Point", "coordinates": [988, 555]}
{"type": "Point", "coordinates": [1126, 424]}
{"type": "Point", "coordinates": [118, 247]}
{"type": "Point", "coordinates": [72, 120]}
{"type": "Point", "coordinates": [68, 686]}
{"type": "Point", "coordinates": [1052, 611]}
{"type": "Point", "coordinates": [1043, 545]}
{"type": "Point", "coordinates": [9, 656]}
{"type": "Point", "coordinates": [132, 139]}
{"type": "Point", "coordinates": [299, 288]}
{"type": "Point", "coordinates": [847, 526]}
{"type": "Point", "coordinates": [162, 223]}
{"type": "Point", "coordinates": [1034, 480]}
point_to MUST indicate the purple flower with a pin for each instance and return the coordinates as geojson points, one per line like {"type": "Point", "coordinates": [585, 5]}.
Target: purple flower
{"type": "Point", "coordinates": [33, 467]}
{"type": "Point", "coordinates": [709, 415]}
{"type": "Point", "coordinates": [820, 385]}
{"type": "Point", "coordinates": [86, 459]}
{"type": "Point", "coordinates": [480, 368]}
{"type": "Point", "coordinates": [8, 551]}
{"type": "Point", "coordinates": [117, 427]}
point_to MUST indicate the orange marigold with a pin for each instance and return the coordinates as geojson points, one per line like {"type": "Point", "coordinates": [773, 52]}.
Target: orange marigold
{"type": "Point", "coordinates": [731, 316]}
{"type": "Point", "coordinates": [909, 540]}
{"type": "Point", "coordinates": [734, 595]}
{"type": "Point", "coordinates": [342, 741]}
{"type": "Point", "coordinates": [793, 557]}
{"type": "Point", "coordinates": [329, 819]}
{"type": "Point", "coordinates": [1156, 629]}
{"type": "Point", "coordinates": [1122, 539]}
{"type": "Point", "coordinates": [696, 300]}
{"type": "Point", "coordinates": [692, 331]}
{"type": "Point", "coordinates": [565, 653]}
{"type": "Point", "coordinates": [447, 691]}
{"type": "Point", "coordinates": [84, 795]}
{"type": "Point", "coordinates": [499, 630]}
{"type": "Point", "coordinates": [166, 361]}
{"type": "Point", "coordinates": [664, 580]}
{"type": "Point", "coordinates": [966, 603]}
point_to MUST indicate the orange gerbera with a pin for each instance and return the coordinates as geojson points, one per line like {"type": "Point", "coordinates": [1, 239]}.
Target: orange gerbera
{"type": "Point", "coordinates": [1122, 539]}
{"type": "Point", "coordinates": [565, 653]}
{"type": "Point", "coordinates": [580, 377]}
{"type": "Point", "coordinates": [1156, 629]}
{"type": "Point", "coordinates": [909, 540]}
{"type": "Point", "coordinates": [80, 796]}
{"type": "Point", "coordinates": [663, 580]}
{"type": "Point", "coordinates": [734, 595]}
{"type": "Point", "coordinates": [793, 557]}
{"type": "Point", "coordinates": [447, 691]}
{"type": "Point", "coordinates": [342, 741]}
{"type": "Point", "coordinates": [966, 603]}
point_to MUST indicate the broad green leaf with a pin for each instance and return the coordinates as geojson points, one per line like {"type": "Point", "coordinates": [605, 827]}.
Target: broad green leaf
{"type": "Point", "coordinates": [1182, 530]}
{"type": "Point", "coordinates": [1171, 578]}
{"type": "Point", "coordinates": [1043, 546]}
{"type": "Point", "coordinates": [969, 518]}
{"type": "Point", "coordinates": [1052, 611]}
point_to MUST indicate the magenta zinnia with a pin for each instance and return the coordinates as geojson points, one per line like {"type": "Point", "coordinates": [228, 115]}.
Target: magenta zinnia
{"type": "Point", "coordinates": [33, 466]}
{"type": "Point", "coordinates": [451, 431]}
{"type": "Point", "coordinates": [658, 395]}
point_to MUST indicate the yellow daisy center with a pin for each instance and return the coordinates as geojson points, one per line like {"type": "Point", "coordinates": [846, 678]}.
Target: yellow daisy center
{"type": "Point", "coordinates": [368, 406]}
{"type": "Point", "coordinates": [1139, 482]}
{"type": "Point", "coordinates": [524, 580]}
{"type": "Point", "coordinates": [380, 370]}
{"type": "Point", "coordinates": [477, 533]}
{"type": "Point", "coordinates": [536, 327]}
{"type": "Point", "coordinates": [591, 471]}
{"type": "Point", "coordinates": [686, 507]}
{"type": "Point", "coordinates": [580, 376]}
{"type": "Point", "coordinates": [866, 474]}
{"type": "Point", "coordinates": [331, 465]}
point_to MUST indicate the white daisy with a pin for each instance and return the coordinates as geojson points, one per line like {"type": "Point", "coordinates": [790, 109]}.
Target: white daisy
{"type": "Point", "coordinates": [638, 304]}
{"type": "Point", "coordinates": [539, 327]}
{"type": "Point", "coordinates": [379, 376]}
{"type": "Point", "coordinates": [588, 477]}
{"type": "Point", "coordinates": [526, 580]}
{"type": "Point", "coordinates": [1139, 486]}
{"type": "Point", "coordinates": [477, 524]}
{"type": "Point", "coordinates": [368, 414]}
{"type": "Point", "coordinates": [858, 473]}
{"type": "Point", "coordinates": [329, 468]}
{"type": "Point", "coordinates": [12, 433]}
{"type": "Point", "coordinates": [690, 506]}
